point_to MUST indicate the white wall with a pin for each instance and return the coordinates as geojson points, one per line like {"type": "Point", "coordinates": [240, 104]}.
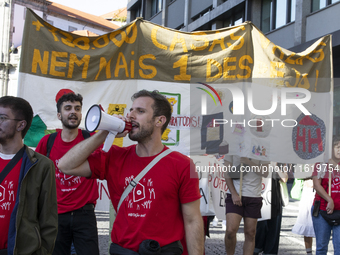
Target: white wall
{"type": "Point", "coordinates": [80, 25]}
{"type": "Point", "coordinates": [19, 22]}
{"type": "Point", "coordinates": [62, 23]}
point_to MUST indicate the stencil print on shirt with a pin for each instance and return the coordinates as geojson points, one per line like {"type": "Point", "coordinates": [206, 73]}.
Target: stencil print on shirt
{"type": "Point", "coordinates": [336, 183]}
{"type": "Point", "coordinates": [67, 180]}
{"type": "Point", "coordinates": [140, 199]}
{"type": "Point", "coordinates": [7, 197]}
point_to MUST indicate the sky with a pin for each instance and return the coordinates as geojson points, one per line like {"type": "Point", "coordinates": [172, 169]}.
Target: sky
{"type": "Point", "coordinates": [97, 7]}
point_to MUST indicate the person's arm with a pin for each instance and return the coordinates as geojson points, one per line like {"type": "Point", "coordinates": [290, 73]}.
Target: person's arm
{"type": "Point", "coordinates": [259, 169]}
{"type": "Point", "coordinates": [234, 194]}
{"type": "Point", "coordinates": [282, 174]}
{"type": "Point", "coordinates": [322, 193]}
{"type": "Point", "coordinates": [75, 162]}
{"type": "Point", "coordinates": [193, 225]}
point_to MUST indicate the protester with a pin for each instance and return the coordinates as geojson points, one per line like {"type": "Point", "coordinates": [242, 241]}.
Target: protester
{"type": "Point", "coordinates": [267, 237]}
{"type": "Point", "coordinates": [304, 223]}
{"type": "Point", "coordinates": [327, 201]}
{"type": "Point", "coordinates": [28, 207]}
{"type": "Point", "coordinates": [248, 206]}
{"type": "Point", "coordinates": [165, 204]}
{"type": "Point", "coordinates": [76, 195]}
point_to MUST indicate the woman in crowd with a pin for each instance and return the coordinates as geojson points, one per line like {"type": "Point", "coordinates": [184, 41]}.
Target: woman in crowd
{"type": "Point", "coordinates": [304, 224]}
{"type": "Point", "coordinates": [327, 201]}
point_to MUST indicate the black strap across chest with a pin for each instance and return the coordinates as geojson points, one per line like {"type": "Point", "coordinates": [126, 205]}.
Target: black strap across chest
{"type": "Point", "coordinates": [52, 137]}
{"type": "Point", "coordinates": [11, 164]}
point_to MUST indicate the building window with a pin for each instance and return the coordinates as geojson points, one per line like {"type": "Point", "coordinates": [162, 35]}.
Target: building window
{"type": "Point", "coordinates": [156, 6]}
{"type": "Point", "coordinates": [70, 28]}
{"type": "Point", "coordinates": [266, 17]}
{"type": "Point", "coordinates": [136, 12]}
{"type": "Point", "coordinates": [235, 19]}
{"type": "Point", "coordinates": [276, 13]}
{"type": "Point", "coordinates": [319, 4]}
{"type": "Point", "coordinates": [238, 18]}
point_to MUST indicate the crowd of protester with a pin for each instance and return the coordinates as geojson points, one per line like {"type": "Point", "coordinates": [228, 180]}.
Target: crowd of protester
{"type": "Point", "coordinates": [47, 202]}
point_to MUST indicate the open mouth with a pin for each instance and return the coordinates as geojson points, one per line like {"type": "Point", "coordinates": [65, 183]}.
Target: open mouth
{"type": "Point", "coordinates": [134, 125]}
{"type": "Point", "coordinates": [73, 117]}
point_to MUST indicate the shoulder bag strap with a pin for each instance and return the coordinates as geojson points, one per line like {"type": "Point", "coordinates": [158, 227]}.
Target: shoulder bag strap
{"type": "Point", "coordinates": [50, 142]}
{"type": "Point", "coordinates": [53, 136]}
{"type": "Point", "coordinates": [86, 134]}
{"type": "Point", "coordinates": [135, 181]}
{"type": "Point", "coordinates": [11, 164]}
{"type": "Point", "coordinates": [329, 182]}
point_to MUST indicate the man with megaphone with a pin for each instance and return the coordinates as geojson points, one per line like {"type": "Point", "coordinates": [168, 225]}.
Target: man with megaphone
{"type": "Point", "coordinates": [158, 191]}
{"type": "Point", "coordinates": [76, 195]}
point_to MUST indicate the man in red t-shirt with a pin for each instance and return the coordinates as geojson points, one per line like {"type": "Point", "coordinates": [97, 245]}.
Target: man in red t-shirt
{"type": "Point", "coordinates": [76, 195]}
{"type": "Point", "coordinates": [165, 204]}
{"type": "Point", "coordinates": [28, 201]}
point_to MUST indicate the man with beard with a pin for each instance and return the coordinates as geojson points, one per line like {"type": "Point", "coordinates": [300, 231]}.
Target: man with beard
{"type": "Point", "coordinates": [165, 204]}
{"type": "Point", "coordinates": [28, 200]}
{"type": "Point", "coordinates": [76, 195]}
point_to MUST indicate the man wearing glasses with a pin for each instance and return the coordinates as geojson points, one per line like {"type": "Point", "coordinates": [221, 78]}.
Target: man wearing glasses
{"type": "Point", "coordinates": [28, 201]}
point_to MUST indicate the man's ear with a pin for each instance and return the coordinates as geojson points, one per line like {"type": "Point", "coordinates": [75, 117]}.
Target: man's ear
{"type": "Point", "coordinates": [160, 120]}
{"type": "Point", "coordinates": [59, 115]}
{"type": "Point", "coordinates": [21, 125]}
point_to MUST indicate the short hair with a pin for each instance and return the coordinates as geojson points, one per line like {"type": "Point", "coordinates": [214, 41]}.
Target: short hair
{"type": "Point", "coordinates": [21, 109]}
{"type": "Point", "coordinates": [161, 105]}
{"type": "Point", "coordinates": [336, 140]}
{"type": "Point", "coordinates": [69, 97]}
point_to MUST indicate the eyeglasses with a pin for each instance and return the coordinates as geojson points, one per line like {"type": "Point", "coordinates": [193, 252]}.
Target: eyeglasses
{"type": "Point", "coordinates": [4, 118]}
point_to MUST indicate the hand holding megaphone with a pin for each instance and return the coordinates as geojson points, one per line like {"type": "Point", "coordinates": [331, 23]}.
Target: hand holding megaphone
{"type": "Point", "coordinates": [96, 119]}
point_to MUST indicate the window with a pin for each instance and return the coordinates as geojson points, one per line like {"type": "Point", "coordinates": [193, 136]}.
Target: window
{"type": "Point", "coordinates": [136, 12]}
{"type": "Point", "coordinates": [319, 4]}
{"type": "Point", "coordinates": [156, 6]}
{"type": "Point", "coordinates": [276, 13]}
{"type": "Point", "coordinates": [292, 10]}
{"type": "Point", "coordinates": [281, 10]}
{"type": "Point", "coordinates": [266, 17]}
{"type": "Point", "coordinates": [236, 18]}
{"type": "Point", "coordinates": [227, 22]}
{"type": "Point", "coordinates": [70, 28]}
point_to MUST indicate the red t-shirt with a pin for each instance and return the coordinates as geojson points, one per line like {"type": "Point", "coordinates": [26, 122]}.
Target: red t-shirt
{"type": "Point", "coordinates": [335, 188]}
{"type": "Point", "coordinates": [73, 192]}
{"type": "Point", "coordinates": [8, 195]}
{"type": "Point", "coordinates": [152, 210]}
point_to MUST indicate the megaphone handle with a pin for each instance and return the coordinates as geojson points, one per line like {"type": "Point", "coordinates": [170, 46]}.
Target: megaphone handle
{"type": "Point", "coordinates": [109, 140]}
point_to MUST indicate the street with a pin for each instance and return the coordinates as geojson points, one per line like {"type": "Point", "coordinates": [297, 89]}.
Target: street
{"type": "Point", "coordinates": [289, 242]}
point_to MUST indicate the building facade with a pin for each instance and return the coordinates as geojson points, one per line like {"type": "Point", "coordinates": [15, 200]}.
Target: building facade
{"type": "Point", "coordinates": [12, 26]}
{"type": "Point", "coordinates": [291, 24]}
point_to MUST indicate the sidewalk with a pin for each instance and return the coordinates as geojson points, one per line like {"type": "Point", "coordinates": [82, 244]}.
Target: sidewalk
{"type": "Point", "coordinates": [290, 244]}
